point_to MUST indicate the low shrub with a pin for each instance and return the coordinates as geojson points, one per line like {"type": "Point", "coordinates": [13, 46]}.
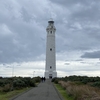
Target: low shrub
{"type": "Point", "coordinates": [1, 83]}
{"type": "Point", "coordinates": [0, 89]}
{"type": "Point", "coordinates": [55, 80]}
{"type": "Point", "coordinates": [18, 83]}
{"type": "Point", "coordinates": [6, 88]}
{"type": "Point", "coordinates": [26, 81]}
{"type": "Point", "coordinates": [32, 83]}
{"type": "Point", "coordinates": [96, 84]}
{"type": "Point", "coordinates": [37, 79]}
{"type": "Point", "coordinates": [80, 92]}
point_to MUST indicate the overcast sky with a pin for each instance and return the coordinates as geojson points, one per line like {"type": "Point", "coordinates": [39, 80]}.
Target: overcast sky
{"type": "Point", "coordinates": [23, 36]}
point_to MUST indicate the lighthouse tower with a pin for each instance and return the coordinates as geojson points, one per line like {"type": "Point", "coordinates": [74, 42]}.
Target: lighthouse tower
{"type": "Point", "coordinates": [50, 68]}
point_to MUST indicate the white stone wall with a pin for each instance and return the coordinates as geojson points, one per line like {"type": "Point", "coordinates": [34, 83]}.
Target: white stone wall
{"type": "Point", "coordinates": [54, 74]}
{"type": "Point", "coordinates": [50, 69]}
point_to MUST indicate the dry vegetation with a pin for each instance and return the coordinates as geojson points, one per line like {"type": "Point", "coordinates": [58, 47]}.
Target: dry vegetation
{"type": "Point", "coordinates": [81, 92]}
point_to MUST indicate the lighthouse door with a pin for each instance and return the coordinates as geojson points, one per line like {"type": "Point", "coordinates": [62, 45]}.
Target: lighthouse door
{"type": "Point", "coordinates": [50, 76]}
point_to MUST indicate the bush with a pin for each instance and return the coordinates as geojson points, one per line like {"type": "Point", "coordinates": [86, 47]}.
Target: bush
{"type": "Point", "coordinates": [1, 83]}
{"type": "Point", "coordinates": [18, 83]}
{"type": "Point", "coordinates": [53, 80]}
{"type": "Point", "coordinates": [37, 79]}
{"type": "Point", "coordinates": [96, 84]}
{"type": "Point", "coordinates": [0, 89]}
{"type": "Point", "coordinates": [32, 83]}
{"type": "Point", "coordinates": [27, 81]}
{"type": "Point", "coordinates": [6, 88]}
{"type": "Point", "coordinates": [56, 81]}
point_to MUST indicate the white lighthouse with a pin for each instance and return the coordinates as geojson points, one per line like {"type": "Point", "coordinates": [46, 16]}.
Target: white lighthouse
{"type": "Point", "coordinates": [50, 68]}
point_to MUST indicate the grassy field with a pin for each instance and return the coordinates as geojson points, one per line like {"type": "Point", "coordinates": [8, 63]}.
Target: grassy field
{"type": "Point", "coordinates": [8, 95]}
{"type": "Point", "coordinates": [63, 92]}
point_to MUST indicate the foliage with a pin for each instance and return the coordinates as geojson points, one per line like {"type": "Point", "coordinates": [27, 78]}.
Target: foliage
{"type": "Point", "coordinates": [4, 81]}
{"type": "Point", "coordinates": [96, 84]}
{"type": "Point", "coordinates": [8, 84]}
{"type": "Point", "coordinates": [26, 80]}
{"type": "Point", "coordinates": [32, 83]}
{"type": "Point", "coordinates": [37, 79]}
{"type": "Point", "coordinates": [18, 83]}
{"type": "Point", "coordinates": [6, 88]}
{"type": "Point", "coordinates": [55, 80]}
{"type": "Point", "coordinates": [1, 83]}
{"type": "Point", "coordinates": [94, 81]}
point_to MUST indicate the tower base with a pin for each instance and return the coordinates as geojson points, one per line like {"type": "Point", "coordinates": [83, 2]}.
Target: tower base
{"type": "Point", "coordinates": [49, 75]}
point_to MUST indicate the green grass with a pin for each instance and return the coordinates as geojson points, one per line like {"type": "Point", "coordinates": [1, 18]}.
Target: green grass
{"type": "Point", "coordinates": [63, 92]}
{"type": "Point", "coordinates": [8, 95]}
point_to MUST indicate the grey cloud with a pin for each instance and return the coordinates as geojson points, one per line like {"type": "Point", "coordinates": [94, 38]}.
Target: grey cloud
{"type": "Point", "coordinates": [22, 46]}
{"type": "Point", "coordinates": [71, 69]}
{"type": "Point", "coordinates": [84, 38]}
{"type": "Point", "coordinates": [70, 2]}
{"type": "Point", "coordinates": [25, 15]}
{"type": "Point", "coordinates": [79, 60]}
{"type": "Point", "coordinates": [94, 54]}
{"type": "Point", "coordinates": [27, 22]}
{"type": "Point", "coordinates": [66, 63]}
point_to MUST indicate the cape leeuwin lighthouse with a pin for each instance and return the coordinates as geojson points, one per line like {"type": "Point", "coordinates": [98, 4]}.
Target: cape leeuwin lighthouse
{"type": "Point", "coordinates": [50, 68]}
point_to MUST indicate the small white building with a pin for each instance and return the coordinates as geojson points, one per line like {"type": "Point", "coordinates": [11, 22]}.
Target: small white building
{"type": "Point", "coordinates": [50, 68]}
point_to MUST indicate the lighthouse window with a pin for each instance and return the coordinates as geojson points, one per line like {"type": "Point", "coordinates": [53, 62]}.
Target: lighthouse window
{"type": "Point", "coordinates": [50, 67]}
{"type": "Point", "coordinates": [51, 32]}
{"type": "Point", "coordinates": [50, 49]}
